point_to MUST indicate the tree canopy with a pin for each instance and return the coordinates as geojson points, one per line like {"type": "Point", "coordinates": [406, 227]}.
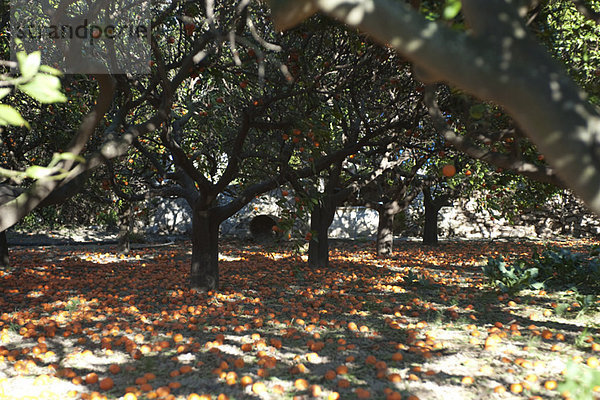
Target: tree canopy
{"type": "Point", "coordinates": [497, 59]}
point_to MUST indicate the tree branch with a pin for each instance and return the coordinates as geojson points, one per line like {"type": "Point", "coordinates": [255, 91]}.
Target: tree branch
{"type": "Point", "coordinates": [532, 171]}
{"type": "Point", "coordinates": [14, 210]}
{"type": "Point", "coordinates": [511, 70]}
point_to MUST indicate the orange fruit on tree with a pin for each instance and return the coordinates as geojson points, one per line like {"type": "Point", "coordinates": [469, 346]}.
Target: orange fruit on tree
{"type": "Point", "coordinates": [449, 170]}
{"type": "Point", "coordinates": [239, 363]}
{"type": "Point", "coordinates": [149, 376]}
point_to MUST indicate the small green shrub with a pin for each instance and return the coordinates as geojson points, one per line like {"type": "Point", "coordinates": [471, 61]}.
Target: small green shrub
{"type": "Point", "coordinates": [108, 219]}
{"type": "Point", "coordinates": [563, 267]}
{"type": "Point", "coordinates": [511, 278]}
{"type": "Point", "coordinates": [580, 381]}
{"type": "Point", "coordinates": [554, 267]}
{"type": "Point", "coordinates": [42, 218]}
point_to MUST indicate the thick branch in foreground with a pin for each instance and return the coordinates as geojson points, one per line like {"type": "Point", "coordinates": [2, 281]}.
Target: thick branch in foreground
{"type": "Point", "coordinates": [536, 172]}
{"type": "Point", "coordinates": [509, 69]}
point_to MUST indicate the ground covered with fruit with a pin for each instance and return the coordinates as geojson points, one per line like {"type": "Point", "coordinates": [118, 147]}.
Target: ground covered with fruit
{"type": "Point", "coordinates": [84, 322]}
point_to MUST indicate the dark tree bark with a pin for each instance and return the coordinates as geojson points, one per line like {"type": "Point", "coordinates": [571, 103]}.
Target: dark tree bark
{"type": "Point", "coordinates": [318, 247]}
{"type": "Point", "coordinates": [430, 228]}
{"type": "Point", "coordinates": [204, 274]}
{"type": "Point", "coordinates": [403, 196]}
{"type": "Point", "coordinates": [385, 229]}
{"type": "Point", "coordinates": [4, 261]}
{"type": "Point", "coordinates": [432, 208]}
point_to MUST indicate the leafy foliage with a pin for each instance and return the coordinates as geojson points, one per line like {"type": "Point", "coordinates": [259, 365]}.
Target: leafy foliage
{"type": "Point", "coordinates": [562, 266]}
{"type": "Point", "coordinates": [572, 39]}
{"type": "Point", "coordinates": [553, 267]}
{"type": "Point", "coordinates": [580, 381]}
{"type": "Point", "coordinates": [511, 278]}
{"type": "Point", "coordinates": [39, 82]}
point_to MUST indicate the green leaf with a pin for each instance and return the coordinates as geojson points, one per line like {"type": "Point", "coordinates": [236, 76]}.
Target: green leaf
{"type": "Point", "coordinates": [37, 172]}
{"type": "Point", "coordinates": [4, 92]}
{"type": "Point", "coordinates": [49, 70]}
{"type": "Point", "coordinates": [451, 9]}
{"type": "Point", "coordinates": [477, 111]}
{"type": "Point", "coordinates": [537, 285]}
{"type": "Point", "coordinates": [45, 89]}
{"type": "Point", "coordinates": [29, 64]}
{"type": "Point", "coordinates": [10, 116]}
{"type": "Point", "coordinates": [71, 156]}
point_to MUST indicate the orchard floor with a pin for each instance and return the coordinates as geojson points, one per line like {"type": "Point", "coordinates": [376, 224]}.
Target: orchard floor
{"type": "Point", "coordinates": [84, 322]}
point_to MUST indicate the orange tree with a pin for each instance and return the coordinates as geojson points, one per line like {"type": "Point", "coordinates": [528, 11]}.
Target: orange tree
{"type": "Point", "coordinates": [196, 65]}
{"type": "Point", "coordinates": [498, 59]}
{"type": "Point", "coordinates": [496, 164]}
{"type": "Point", "coordinates": [385, 111]}
{"type": "Point", "coordinates": [390, 194]}
{"type": "Point", "coordinates": [245, 122]}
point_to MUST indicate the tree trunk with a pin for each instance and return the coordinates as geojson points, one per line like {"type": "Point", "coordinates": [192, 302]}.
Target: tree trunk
{"type": "Point", "coordinates": [430, 229]}
{"type": "Point", "coordinates": [432, 207]}
{"type": "Point", "coordinates": [318, 247]}
{"type": "Point", "coordinates": [125, 225]}
{"type": "Point", "coordinates": [204, 274]}
{"type": "Point", "coordinates": [385, 230]}
{"type": "Point", "coordinates": [4, 262]}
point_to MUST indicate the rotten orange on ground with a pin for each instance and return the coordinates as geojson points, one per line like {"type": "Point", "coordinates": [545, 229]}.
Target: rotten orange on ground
{"type": "Point", "coordinates": [166, 321]}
